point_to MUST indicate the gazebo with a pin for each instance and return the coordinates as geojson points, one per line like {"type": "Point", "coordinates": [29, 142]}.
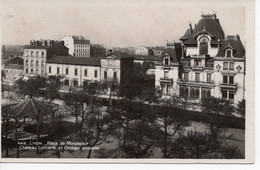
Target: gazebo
{"type": "Point", "coordinates": [39, 112]}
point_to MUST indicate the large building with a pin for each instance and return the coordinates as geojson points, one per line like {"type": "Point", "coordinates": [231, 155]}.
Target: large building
{"type": "Point", "coordinates": [13, 68]}
{"type": "Point", "coordinates": [79, 46]}
{"type": "Point", "coordinates": [97, 50]}
{"type": "Point", "coordinates": [210, 64]}
{"type": "Point", "coordinates": [36, 54]}
{"type": "Point", "coordinates": [115, 67]}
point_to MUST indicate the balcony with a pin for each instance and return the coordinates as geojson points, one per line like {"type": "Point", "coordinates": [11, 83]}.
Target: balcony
{"type": "Point", "coordinates": [198, 56]}
{"type": "Point", "coordinates": [168, 81]}
{"type": "Point", "coordinates": [198, 67]}
{"type": "Point", "coordinates": [197, 83]}
{"type": "Point", "coordinates": [228, 86]}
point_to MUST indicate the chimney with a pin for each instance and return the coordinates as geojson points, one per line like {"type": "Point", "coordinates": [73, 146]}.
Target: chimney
{"type": "Point", "coordinates": [37, 43]}
{"type": "Point", "coordinates": [32, 42]}
{"type": "Point", "coordinates": [191, 28]}
{"type": "Point", "coordinates": [238, 36]}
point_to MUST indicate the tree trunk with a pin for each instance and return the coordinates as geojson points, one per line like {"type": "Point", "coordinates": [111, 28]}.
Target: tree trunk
{"type": "Point", "coordinates": [17, 137]}
{"type": "Point", "coordinates": [6, 138]}
{"type": "Point", "coordinates": [89, 152]}
{"type": "Point", "coordinates": [38, 138]}
{"type": "Point", "coordinates": [165, 143]}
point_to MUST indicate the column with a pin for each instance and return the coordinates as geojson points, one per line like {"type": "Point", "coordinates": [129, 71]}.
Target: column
{"type": "Point", "coordinates": [200, 94]}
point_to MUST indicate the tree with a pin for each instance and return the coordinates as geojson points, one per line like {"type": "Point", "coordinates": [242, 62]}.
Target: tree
{"type": "Point", "coordinates": [3, 75]}
{"type": "Point", "coordinates": [140, 139]}
{"type": "Point", "coordinates": [73, 100]}
{"type": "Point", "coordinates": [200, 145]}
{"type": "Point", "coordinates": [30, 86]}
{"type": "Point", "coordinates": [242, 108]}
{"type": "Point", "coordinates": [217, 106]}
{"type": "Point", "coordinates": [169, 124]}
{"type": "Point", "coordinates": [53, 86]}
{"type": "Point", "coordinates": [95, 129]}
{"type": "Point", "coordinates": [6, 118]}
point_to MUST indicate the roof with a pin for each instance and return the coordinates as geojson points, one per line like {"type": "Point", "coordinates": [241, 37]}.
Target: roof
{"type": "Point", "coordinates": [14, 66]}
{"type": "Point", "coordinates": [235, 43]}
{"type": "Point", "coordinates": [174, 53]}
{"type": "Point", "coordinates": [90, 61]}
{"type": "Point", "coordinates": [186, 35]}
{"type": "Point", "coordinates": [55, 45]}
{"type": "Point", "coordinates": [120, 55]}
{"type": "Point", "coordinates": [31, 107]}
{"type": "Point", "coordinates": [208, 23]}
{"type": "Point", "coordinates": [14, 60]}
{"type": "Point", "coordinates": [146, 57]}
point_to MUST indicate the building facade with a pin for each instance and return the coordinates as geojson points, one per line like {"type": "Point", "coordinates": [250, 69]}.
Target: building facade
{"type": "Point", "coordinates": [36, 54]}
{"type": "Point", "coordinates": [80, 70]}
{"type": "Point", "coordinates": [13, 68]}
{"type": "Point", "coordinates": [79, 46]}
{"type": "Point", "coordinates": [210, 64]}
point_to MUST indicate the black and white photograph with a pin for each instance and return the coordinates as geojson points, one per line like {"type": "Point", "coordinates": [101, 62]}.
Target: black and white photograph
{"type": "Point", "coordinates": [161, 81]}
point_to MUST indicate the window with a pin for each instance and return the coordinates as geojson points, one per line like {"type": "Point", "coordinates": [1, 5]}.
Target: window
{"type": "Point", "coordinates": [95, 74]}
{"type": "Point", "coordinates": [231, 66]}
{"type": "Point", "coordinates": [196, 62]}
{"type": "Point", "coordinates": [26, 70]}
{"type": "Point", "coordinates": [115, 75]}
{"type": "Point", "coordinates": [228, 53]}
{"type": "Point", "coordinates": [166, 61]}
{"type": "Point", "coordinates": [37, 71]}
{"type": "Point", "coordinates": [67, 71]}
{"type": "Point", "coordinates": [66, 82]}
{"type": "Point", "coordinates": [27, 62]}
{"type": "Point", "coordinates": [231, 97]}
{"type": "Point", "coordinates": [75, 83]}
{"type": "Point", "coordinates": [32, 62]}
{"type": "Point", "coordinates": [197, 77]}
{"type": "Point", "coordinates": [105, 75]}
{"type": "Point", "coordinates": [58, 70]}
{"type": "Point", "coordinates": [208, 77]}
{"type": "Point", "coordinates": [31, 53]}
{"type": "Point", "coordinates": [76, 71]}
{"type": "Point", "coordinates": [42, 54]}
{"type": "Point", "coordinates": [31, 70]}
{"type": "Point", "coordinates": [224, 94]}
{"type": "Point", "coordinates": [37, 54]}
{"type": "Point", "coordinates": [186, 76]}
{"type": "Point", "coordinates": [37, 63]}
{"type": "Point", "coordinates": [225, 66]}
{"type": "Point", "coordinates": [166, 74]}
{"type": "Point", "coordinates": [204, 48]}
{"type": "Point", "coordinates": [225, 79]}
{"type": "Point", "coordinates": [231, 79]}
{"type": "Point", "coordinates": [6, 71]}
{"type": "Point", "coordinates": [49, 69]}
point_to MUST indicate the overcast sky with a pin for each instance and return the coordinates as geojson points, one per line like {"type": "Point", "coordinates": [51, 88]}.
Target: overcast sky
{"type": "Point", "coordinates": [115, 23]}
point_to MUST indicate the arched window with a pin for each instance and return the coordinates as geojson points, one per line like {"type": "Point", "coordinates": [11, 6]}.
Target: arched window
{"type": "Point", "coordinates": [208, 93]}
{"type": "Point", "coordinates": [197, 93]}
{"type": "Point", "coordinates": [204, 45]}
{"type": "Point", "coordinates": [166, 61]}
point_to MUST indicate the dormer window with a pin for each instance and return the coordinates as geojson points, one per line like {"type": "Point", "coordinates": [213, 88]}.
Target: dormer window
{"type": "Point", "coordinates": [229, 52]}
{"type": "Point", "coordinates": [203, 49]}
{"type": "Point", "coordinates": [166, 61]}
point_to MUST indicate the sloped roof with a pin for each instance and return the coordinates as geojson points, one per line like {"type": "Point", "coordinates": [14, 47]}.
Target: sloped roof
{"type": "Point", "coordinates": [14, 66]}
{"type": "Point", "coordinates": [14, 60]}
{"type": "Point", "coordinates": [186, 35]}
{"type": "Point", "coordinates": [55, 45]}
{"type": "Point", "coordinates": [236, 44]}
{"type": "Point", "coordinates": [208, 24]}
{"type": "Point", "coordinates": [119, 54]}
{"type": "Point", "coordinates": [146, 57]}
{"type": "Point", "coordinates": [31, 107]}
{"type": "Point", "coordinates": [89, 61]}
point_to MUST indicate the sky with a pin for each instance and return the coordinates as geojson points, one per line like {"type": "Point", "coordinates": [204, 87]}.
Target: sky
{"type": "Point", "coordinates": [112, 23]}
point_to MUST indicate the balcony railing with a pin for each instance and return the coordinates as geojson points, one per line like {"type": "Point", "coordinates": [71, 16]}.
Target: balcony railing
{"type": "Point", "coordinates": [166, 80]}
{"type": "Point", "coordinates": [197, 82]}
{"type": "Point", "coordinates": [198, 67]}
{"type": "Point", "coordinates": [228, 85]}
